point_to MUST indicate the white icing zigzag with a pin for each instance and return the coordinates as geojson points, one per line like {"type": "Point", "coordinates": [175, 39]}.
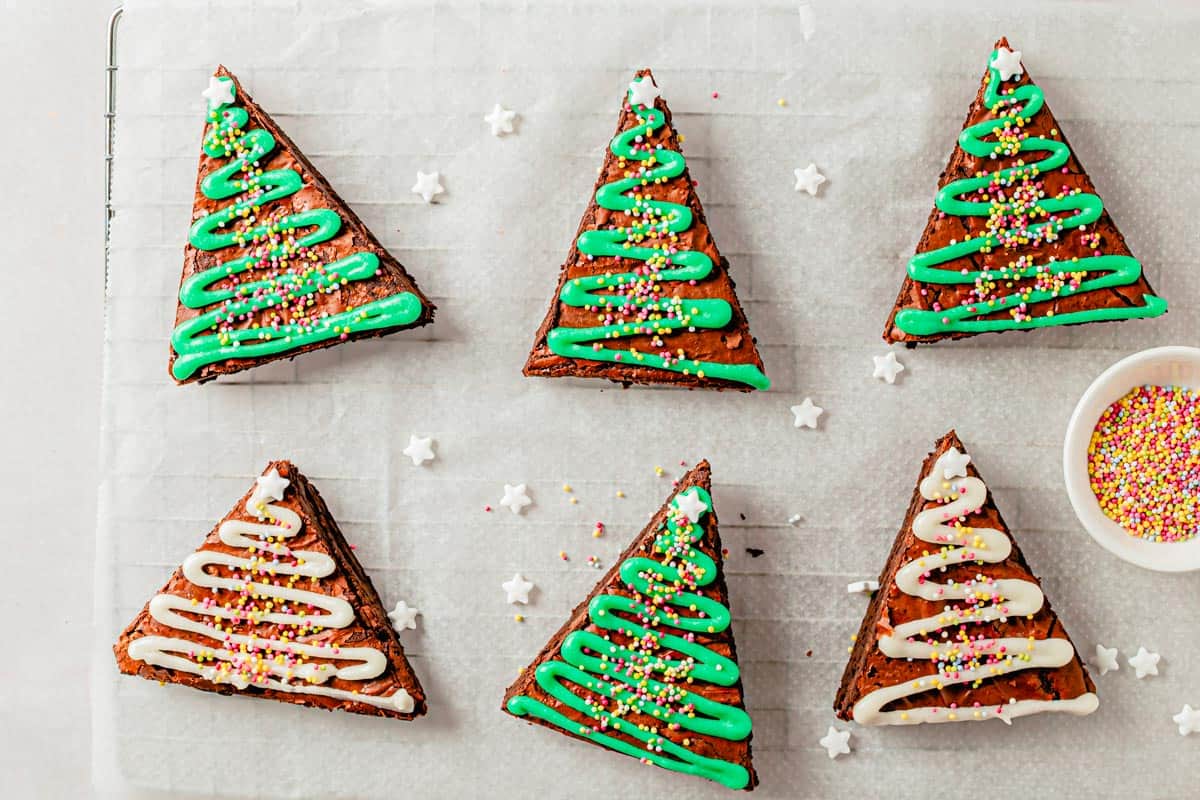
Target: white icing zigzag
{"type": "Point", "coordinates": [987, 600]}
{"type": "Point", "coordinates": [304, 678]}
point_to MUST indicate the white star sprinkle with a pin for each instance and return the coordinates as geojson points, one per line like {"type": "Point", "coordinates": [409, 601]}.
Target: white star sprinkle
{"type": "Point", "coordinates": [691, 506]}
{"type": "Point", "coordinates": [1144, 662]}
{"type": "Point", "coordinates": [887, 367]}
{"type": "Point", "coordinates": [419, 450]}
{"type": "Point", "coordinates": [643, 92]}
{"type": "Point", "coordinates": [809, 179]}
{"type": "Point", "coordinates": [1007, 63]}
{"type": "Point", "coordinates": [807, 414]}
{"type": "Point", "coordinates": [836, 742]}
{"type": "Point", "coordinates": [862, 587]}
{"type": "Point", "coordinates": [500, 120]}
{"type": "Point", "coordinates": [271, 485]}
{"type": "Point", "coordinates": [219, 92]}
{"type": "Point", "coordinates": [1106, 659]}
{"type": "Point", "coordinates": [403, 617]}
{"type": "Point", "coordinates": [428, 185]}
{"type": "Point", "coordinates": [517, 590]}
{"type": "Point", "coordinates": [953, 463]}
{"type": "Point", "coordinates": [1188, 720]}
{"type": "Point", "coordinates": [515, 497]}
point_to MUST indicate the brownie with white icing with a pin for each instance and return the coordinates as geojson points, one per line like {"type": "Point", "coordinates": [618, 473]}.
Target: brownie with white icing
{"type": "Point", "coordinates": [960, 629]}
{"type": "Point", "coordinates": [274, 604]}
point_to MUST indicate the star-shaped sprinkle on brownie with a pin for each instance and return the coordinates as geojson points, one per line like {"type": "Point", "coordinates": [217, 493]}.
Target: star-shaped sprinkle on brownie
{"type": "Point", "coordinates": [219, 92]}
{"type": "Point", "coordinates": [271, 485]}
{"type": "Point", "coordinates": [1007, 63]}
{"type": "Point", "coordinates": [643, 92]}
{"type": "Point", "coordinates": [691, 506]}
{"type": "Point", "coordinates": [953, 464]}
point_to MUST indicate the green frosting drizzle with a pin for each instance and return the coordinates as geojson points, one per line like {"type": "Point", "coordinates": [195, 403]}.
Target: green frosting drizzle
{"type": "Point", "coordinates": [1084, 274]}
{"type": "Point", "coordinates": [211, 336]}
{"type": "Point", "coordinates": [642, 294]}
{"type": "Point", "coordinates": [620, 677]}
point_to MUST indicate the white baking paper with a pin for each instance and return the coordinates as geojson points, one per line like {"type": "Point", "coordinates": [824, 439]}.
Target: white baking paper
{"type": "Point", "coordinates": [874, 93]}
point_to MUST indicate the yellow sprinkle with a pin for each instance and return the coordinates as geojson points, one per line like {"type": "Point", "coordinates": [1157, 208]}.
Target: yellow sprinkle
{"type": "Point", "coordinates": [781, 102]}
{"type": "Point", "coordinates": [519, 618]}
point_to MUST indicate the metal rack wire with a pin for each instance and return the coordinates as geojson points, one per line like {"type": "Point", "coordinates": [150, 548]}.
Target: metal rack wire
{"type": "Point", "coordinates": [110, 119]}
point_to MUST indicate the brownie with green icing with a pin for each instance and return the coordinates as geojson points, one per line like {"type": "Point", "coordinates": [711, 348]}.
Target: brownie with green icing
{"type": "Point", "coordinates": [1019, 238]}
{"type": "Point", "coordinates": [646, 665]}
{"type": "Point", "coordinates": [276, 264]}
{"type": "Point", "coordinates": [644, 296]}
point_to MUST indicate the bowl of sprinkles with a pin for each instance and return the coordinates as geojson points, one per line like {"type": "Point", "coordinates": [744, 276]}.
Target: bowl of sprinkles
{"type": "Point", "coordinates": [1131, 459]}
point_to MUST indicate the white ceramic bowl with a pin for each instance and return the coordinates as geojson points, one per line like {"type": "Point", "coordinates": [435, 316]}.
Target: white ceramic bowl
{"type": "Point", "coordinates": [1160, 366]}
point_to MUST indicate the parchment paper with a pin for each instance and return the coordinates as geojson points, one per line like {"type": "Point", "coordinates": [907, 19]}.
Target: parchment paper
{"type": "Point", "coordinates": [875, 94]}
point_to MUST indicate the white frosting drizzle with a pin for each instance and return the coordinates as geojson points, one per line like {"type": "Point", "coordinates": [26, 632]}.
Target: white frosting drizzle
{"type": "Point", "coordinates": [307, 678]}
{"type": "Point", "coordinates": [990, 600]}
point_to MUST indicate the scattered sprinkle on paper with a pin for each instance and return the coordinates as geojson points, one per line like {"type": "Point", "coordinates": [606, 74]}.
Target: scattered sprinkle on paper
{"type": "Point", "coordinates": [515, 497]}
{"type": "Point", "coordinates": [419, 449]}
{"type": "Point", "coordinates": [808, 179]}
{"type": "Point", "coordinates": [1106, 659]}
{"type": "Point", "coordinates": [1144, 662]}
{"type": "Point", "coordinates": [835, 742]}
{"type": "Point", "coordinates": [887, 367]}
{"type": "Point", "coordinates": [428, 185]}
{"type": "Point", "coordinates": [500, 120]}
{"type": "Point", "coordinates": [517, 590]}
{"type": "Point", "coordinates": [403, 617]}
{"type": "Point", "coordinates": [806, 414]}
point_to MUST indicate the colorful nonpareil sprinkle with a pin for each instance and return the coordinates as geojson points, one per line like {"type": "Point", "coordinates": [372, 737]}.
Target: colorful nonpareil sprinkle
{"type": "Point", "coordinates": [1144, 463]}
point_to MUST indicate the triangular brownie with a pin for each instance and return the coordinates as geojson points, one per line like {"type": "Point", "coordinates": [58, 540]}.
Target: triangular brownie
{"type": "Point", "coordinates": [646, 665]}
{"type": "Point", "coordinates": [1018, 237]}
{"type": "Point", "coordinates": [276, 263]}
{"type": "Point", "coordinates": [644, 296]}
{"type": "Point", "coordinates": [959, 629]}
{"type": "Point", "coordinates": [274, 604]}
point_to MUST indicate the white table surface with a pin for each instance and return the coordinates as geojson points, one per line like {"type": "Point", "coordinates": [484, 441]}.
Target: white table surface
{"type": "Point", "coordinates": [52, 57]}
{"type": "Point", "coordinates": [50, 465]}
